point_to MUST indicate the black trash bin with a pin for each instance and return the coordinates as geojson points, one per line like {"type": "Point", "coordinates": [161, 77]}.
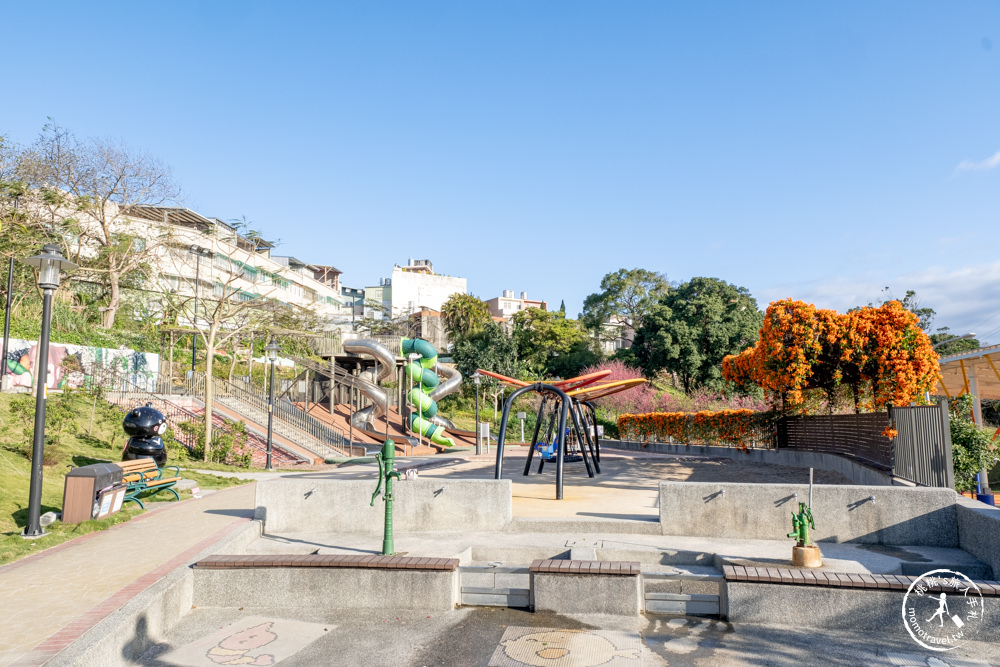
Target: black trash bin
{"type": "Point", "coordinates": [91, 492]}
{"type": "Point", "coordinates": [145, 425]}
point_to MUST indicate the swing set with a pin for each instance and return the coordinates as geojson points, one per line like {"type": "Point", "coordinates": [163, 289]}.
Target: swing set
{"type": "Point", "coordinates": [569, 414]}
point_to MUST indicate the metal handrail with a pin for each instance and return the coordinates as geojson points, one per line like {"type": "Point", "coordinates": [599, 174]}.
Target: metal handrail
{"type": "Point", "coordinates": [286, 413]}
{"type": "Point", "coordinates": [120, 390]}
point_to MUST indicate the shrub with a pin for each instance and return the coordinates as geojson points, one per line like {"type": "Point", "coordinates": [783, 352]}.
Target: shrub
{"type": "Point", "coordinates": [230, 444]}
{"type": "Point", "coordinates": [972, 447]}
{"type": "Point", "coordinates": [736, 428]}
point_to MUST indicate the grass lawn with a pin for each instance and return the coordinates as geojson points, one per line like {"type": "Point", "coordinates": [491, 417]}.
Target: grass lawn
{"type": "Point", "coordinates": [79, 431]}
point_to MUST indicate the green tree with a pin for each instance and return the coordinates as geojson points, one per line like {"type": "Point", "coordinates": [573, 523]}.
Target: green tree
{"type": "Point", "coordinates": [489, 349]}
{"type": "Point", "coordinates": [542, 337]}
{"type": "Point", "coordinates": [954, 347]}
{"type": "Point", "coordinates": [463, 315]}
{"type": "Point", "coordinates": [562, 307]}
{"type": "Point", "coordinates": [926, 316]}
{"type": "Point", "coordinates": [911, 302]}
{"type": "Point", "coordinates": [626, 297]}
{"type": "Point", "coordinates": [693, 328]}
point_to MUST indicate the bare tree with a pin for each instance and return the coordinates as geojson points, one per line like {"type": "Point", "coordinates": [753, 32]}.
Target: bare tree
{"type": "Point", "coordinates": [228, 314]}
{"type": "Point", "coordinates": [86, 188]}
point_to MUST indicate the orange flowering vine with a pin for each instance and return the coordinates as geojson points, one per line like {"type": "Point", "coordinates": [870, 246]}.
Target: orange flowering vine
{"type": "Point", "coordinates": [736, 428]}
{"type": "Point", "coordinates": [802, 347]}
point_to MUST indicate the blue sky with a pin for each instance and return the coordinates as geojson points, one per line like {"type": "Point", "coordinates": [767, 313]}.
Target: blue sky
{"type": "Point", "coordinates": [820, 153]}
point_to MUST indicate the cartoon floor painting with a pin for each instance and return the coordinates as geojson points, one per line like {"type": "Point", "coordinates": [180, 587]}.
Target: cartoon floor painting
{"type": "Point", "coordinates": [253, 641]}
{"type": "Point", "coordinates": [545, 647]}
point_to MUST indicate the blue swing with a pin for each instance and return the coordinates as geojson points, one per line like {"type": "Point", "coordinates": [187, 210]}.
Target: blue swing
{"type": "Point", "coordinates": [547, 452]}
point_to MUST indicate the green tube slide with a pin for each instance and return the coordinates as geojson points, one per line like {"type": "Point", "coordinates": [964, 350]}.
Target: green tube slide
{"type": "Point", "coordinates": [424, 381]}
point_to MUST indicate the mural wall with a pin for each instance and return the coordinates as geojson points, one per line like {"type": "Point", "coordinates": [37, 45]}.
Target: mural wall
{"type": "Point", "coordinates": [70, 364]}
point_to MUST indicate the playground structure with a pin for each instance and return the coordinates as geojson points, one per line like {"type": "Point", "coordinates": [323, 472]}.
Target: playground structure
{"type": "Point", "coordinates": [368, 382]}
{"type": "Point", "coordinates": [433, 382]}
{"type": "Point", "coordinates": [564, 399]}
{"type": "Point", "coordinates": [423, 396]}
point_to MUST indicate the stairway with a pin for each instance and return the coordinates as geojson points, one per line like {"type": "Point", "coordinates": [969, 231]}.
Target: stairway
{"type": "Point", "coordinates": [289, 421]}
{"type": "Point", "coordinates": [690, 590]}
{"type": "Point", "coordinates": [119, 389]}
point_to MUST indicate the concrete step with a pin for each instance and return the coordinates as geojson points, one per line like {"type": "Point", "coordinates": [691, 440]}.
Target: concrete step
{"type": "Point", "coordinates": [684, 605]}
{"type": "Point", "coordinates": [487, 586]}
{"type": "Point", "coordinates": [692, 591]}
{"type": "Point", "coordinates": [304, 439]}
{"type": "Point", "coordinates": [638, 526]}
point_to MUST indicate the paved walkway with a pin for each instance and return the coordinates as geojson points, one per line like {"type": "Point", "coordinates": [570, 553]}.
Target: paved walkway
{"type": "Point", "coordinates": [50, 599]}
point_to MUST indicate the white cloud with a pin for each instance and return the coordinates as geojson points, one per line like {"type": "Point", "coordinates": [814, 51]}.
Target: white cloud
{"type": "Point", "coordinates": [966, 299]}
{"type": "Point", "coordinates": [988, 163]}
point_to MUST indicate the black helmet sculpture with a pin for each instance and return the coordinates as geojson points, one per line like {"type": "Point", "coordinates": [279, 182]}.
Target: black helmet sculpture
{"type": "Point", "coordinates": [144, 421]}
{"type": "Point", "coordinates": [145, 425]}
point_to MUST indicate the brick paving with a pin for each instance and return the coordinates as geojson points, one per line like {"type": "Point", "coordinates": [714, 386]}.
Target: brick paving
{"type": "Point", "coordinates": [51, 598]}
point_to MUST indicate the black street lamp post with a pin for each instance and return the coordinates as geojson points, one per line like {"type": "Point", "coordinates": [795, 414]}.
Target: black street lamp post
{"type": "Point", "coordinates": [272, 355]}
{"type": "Point", "coordinates": [6, 321]}
{"type": "Point", "coordinates": [48, 263]}
{"type": "Point", "coordinates": [479, 443]}
{"type": "Point", "coordinates": [198, 252]}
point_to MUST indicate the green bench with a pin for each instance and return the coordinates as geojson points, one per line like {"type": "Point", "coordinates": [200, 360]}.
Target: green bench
{"type": "Point", "coordinates": [142, 476]}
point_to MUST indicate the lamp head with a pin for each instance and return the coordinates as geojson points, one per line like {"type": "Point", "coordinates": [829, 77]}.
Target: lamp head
{"type": "Point", "coordinates": [49, 262]}
{"type": "Point", "coordinates": [475, 378]}
{"type": "Point", "coordinates": [272, 350]}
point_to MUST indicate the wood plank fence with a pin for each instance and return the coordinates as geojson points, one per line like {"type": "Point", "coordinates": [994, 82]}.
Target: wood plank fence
{"type": "Point", "coordinates": [920, 453]}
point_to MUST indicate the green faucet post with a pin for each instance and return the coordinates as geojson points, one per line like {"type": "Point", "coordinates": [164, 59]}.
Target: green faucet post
{"type": "Point", "coordinates": [801, 523]}
{"type": "Point", "coordinates": [386, 460]}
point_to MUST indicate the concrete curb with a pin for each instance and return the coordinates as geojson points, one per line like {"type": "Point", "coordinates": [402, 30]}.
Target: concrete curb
{"type": "Point", "coordinates": [852, 470]}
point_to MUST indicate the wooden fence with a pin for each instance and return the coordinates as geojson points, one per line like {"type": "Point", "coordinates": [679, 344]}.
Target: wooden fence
{"type": "Point", "coordinates": [920, 453]}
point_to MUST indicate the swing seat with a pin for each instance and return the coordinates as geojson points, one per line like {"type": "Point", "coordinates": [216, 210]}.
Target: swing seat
{"type": "Point", "coordinates": [549, 452]}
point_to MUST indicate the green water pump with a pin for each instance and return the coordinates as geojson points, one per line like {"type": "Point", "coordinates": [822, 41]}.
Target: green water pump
{"type": "Point", "coordinates": [801, 523]}
{"type": "Point", "coordinates": [386, 460]}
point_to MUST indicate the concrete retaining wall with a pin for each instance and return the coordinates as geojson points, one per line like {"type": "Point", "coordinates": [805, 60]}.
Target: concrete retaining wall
{"type": "Point", "coordinates": [834, 609]}
{"type": "Point", "coordinates": [325, 588]}
{"type": "Point", "coordinates": [857, 473]}
{"type": "Point", "coordinates": [979, 531]}
{"type": "Point", "coordinates": [587, 594]}
{"type": "Point", "coordinates": [897, 516]}
{"type": "Point", "coordinates": [423, 505]}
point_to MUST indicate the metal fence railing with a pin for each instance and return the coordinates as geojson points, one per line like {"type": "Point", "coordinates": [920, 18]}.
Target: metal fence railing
{"type": "Point", "coordinates": [329, 440]}
{"type": "Point", "coordinates": [122, 390]}
{"type": "Point", "coordinates": [923, 445]}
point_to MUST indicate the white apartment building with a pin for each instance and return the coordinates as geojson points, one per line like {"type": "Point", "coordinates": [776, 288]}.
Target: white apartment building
{"type": "Point", "coordinates": [413, 288]}
{"type": "Point", "coordinates": [190, 245]}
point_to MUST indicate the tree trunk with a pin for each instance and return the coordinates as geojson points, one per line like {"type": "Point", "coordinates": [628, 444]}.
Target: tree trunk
{"type": "Point", "coordinates": [114, 302]}
{"type": "Point", "coordinates": [209, 388]}
{"type": "Point", "coordinates": [232, 365]}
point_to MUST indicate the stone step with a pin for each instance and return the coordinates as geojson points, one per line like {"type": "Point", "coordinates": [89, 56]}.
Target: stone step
{"type": "Point", "coordinates": [675, 581]}
{"type": "Point", "coordinates": [487, 586]}
{"type": "Point", "coordinates": [687, 605]}
{"type": "Point", "coordinates": [281, 428]}
{"type": "Point", "coordinates": [650, 526]}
